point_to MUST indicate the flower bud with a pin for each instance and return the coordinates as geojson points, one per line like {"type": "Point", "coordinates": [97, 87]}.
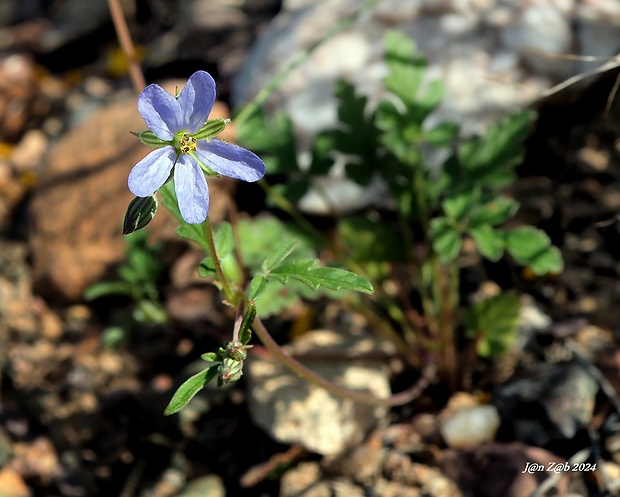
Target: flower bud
{"type": "Point", "coordinates": [230, 370]}
{"type": "Point", "coordinates": [140, 212]}
{"type": "Point", "coordinates": [237, 351]}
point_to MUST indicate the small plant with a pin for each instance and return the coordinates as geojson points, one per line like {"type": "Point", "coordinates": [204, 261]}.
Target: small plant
{"type": "Point", "coordinates": [435, 209]}
{"type": "Point", "coordinates": [139, 276]}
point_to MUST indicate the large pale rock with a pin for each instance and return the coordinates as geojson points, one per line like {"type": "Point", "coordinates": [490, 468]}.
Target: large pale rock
{"type": "Point", "coordinates": [492, 55]}
{"type": "Point", "coordinates": [295, 411]}
{"type": "Point", "coordinates": [78, 208]}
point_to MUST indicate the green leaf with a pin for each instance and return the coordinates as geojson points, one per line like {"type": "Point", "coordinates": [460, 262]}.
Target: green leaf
{"type": "Point", "coordinates": [532, 248]}
{"type": "Point", "coordinates": [211, 357]}
{"type": "Point", "coordinates": [193, 232]}
{"type": "Point", "coordinates": [273, 138]}
{"type": "Point", "coordinates": [245, 332]}
{"type": "Point", "coordinates": [458, 207]}
{"type": "Point", "coordinates": [307, 272]}
{"type": "Point", "coordinates": [257, 286]}
{"type": "Point", "coordinates": [400, 133]}
{"type": "Point", "coordinates": [401, 115]}
{"type": "Point", "coordinates": [406, 73]}
{"type": "Point", "coordinates": [446, 239]}
{"type": "Point", "coordinates": [370, 240]}
{"type": "Point", "coordinates": [489, 159]}
{"type": "Point", "coordinates": [525, 243]}
{"type": "Point", "coordinates": [356, 135]}
{"type": "Point", "coordinates": [549, 261]}
{"type": "Point", "coordinates": [496, 321]}
{"type": "Point", "coordinates": [293, 190]}
{"type": "Point", "coordinates": [143, 263]}
{"type": "Point", "coordinates": [189, 389]}
{"type": "Point", "coordinates": [276, 257]}
{"type": "Point", "coordinates": [223, 239]}
{"type": "Point", "coordinates": [274, 298]}
{"type": "Point", "coordinates": [495, 212]}
{"type": "Point", "coordinates": [405, 69]}
{"type": "Point", "coordinates": [169, 199]}
{"type": "Point", "coordinates": [321, 154]}
{"type": "Point", "coordinates": [490, 242]}
{"type": "Point", "coordinates": [113, 336]}
{"type": "Point", "coordinates": [149, 312]}
{"type": "Point", "coordinates": [441, 135]}
{"type": "Point", "coordinates": [108, 288]}
{"type": "Point", "coordinates": [258, 236]}
{"type": "Point", "coordinates": [206, 269]}
{"type": "Point", "coordinates": [130, 274]}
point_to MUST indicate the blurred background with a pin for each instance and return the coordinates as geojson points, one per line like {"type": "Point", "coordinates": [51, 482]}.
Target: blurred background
{"type": "Point", "coordinates": [84, 381]}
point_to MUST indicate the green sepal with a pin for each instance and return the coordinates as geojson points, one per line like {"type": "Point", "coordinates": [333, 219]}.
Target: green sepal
{"type": "Point", "coordinates": [149, 138]}
{"type": "Point", "coordinates": [206, 169]}
{"type": "Point", "coordinates": [212, 127]}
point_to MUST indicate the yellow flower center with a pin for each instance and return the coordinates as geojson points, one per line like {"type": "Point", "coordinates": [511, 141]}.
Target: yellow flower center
{"type": "Point", "coordinates": [187, 143]}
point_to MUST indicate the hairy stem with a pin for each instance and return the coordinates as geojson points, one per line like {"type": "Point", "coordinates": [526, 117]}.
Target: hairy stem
{"type": "Point", "coordinates": [230, 296]}
{"type": "Point", "coordinates": [444, 280]}
{"type": "Point", "coordinates": [299, 369]}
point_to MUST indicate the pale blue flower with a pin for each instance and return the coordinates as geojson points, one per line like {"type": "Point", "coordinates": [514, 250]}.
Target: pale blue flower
{"type": "Point", "coordinates": [183, 150]}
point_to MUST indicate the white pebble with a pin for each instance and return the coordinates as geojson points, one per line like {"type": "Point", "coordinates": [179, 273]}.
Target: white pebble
{"type": "Point", "coordinates": [470, 426]}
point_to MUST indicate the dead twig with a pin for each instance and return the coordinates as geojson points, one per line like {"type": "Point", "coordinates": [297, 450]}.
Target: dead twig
{"type": "Point", "coordinates": [612, 63]}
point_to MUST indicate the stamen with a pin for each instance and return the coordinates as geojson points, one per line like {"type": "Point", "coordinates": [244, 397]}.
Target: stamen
{"type": "Point", "coordinates": [187, 143]}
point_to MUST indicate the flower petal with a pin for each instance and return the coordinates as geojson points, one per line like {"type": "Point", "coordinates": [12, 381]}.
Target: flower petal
{"type": "Point", "coordinates": [148, 175]}
{"type": "Point", "coordinates": [192, 191]}
{"type": "Point", "coordinates": [161, 111]}
{"type": "Point", "coordinates": [231, 160]}
{"type": "Point", "coordinates": [196, 101]}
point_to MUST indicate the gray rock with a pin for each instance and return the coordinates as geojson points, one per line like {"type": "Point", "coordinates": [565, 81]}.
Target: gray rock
{"type": "Point", "coordinates": [550, 402]}
{"type": "Point", "coordinates": [493, 56]}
